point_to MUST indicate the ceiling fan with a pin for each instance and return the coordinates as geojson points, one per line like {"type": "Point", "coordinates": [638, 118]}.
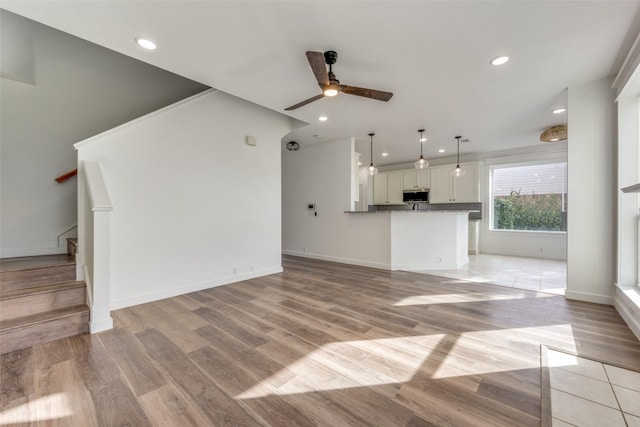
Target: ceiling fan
{"type": "Point", "coordinates": [330, 85]}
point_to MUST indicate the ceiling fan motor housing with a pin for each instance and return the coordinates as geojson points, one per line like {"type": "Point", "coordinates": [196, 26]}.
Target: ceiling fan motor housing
{"type": "Point", "coordinates": [330, 57]}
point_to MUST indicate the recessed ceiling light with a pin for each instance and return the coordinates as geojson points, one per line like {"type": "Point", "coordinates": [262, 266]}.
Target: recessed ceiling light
{"type": "Point", "coordinates": [323, 118]}
{"type": "Point", "coordinates": [146, 43]}
{"type": "Point", "coordinates": [385, 154]}
{"type": "Point", "coordinates": [559, 110]}
{"type": "Point", "coordinates": [499, 60]}
{"type": "Point", "coordinates": [442, 150]}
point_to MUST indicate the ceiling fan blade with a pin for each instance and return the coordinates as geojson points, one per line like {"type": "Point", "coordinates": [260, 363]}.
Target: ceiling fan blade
{"type": "Point", "coordinates": [316, 60]}
{"type": "Point", "coordinates": [367, 93]}
{"type": "Point", "coordinates": [305, 102]}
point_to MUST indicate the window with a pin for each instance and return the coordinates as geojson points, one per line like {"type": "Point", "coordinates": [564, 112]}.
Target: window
{"type": "Point", "coordinates": [529, 197]}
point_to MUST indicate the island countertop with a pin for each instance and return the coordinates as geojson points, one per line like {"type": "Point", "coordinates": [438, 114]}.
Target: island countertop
{"type": "Point", "coordinates": [448, 211]}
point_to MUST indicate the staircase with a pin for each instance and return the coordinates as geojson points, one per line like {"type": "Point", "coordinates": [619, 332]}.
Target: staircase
{"type": "Point", "coordinates": [40, 301]}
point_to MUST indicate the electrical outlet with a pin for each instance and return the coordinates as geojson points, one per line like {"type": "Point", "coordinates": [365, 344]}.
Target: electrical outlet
{"type": "Point", "coordinates": [251, 268]}
{"type": "Point", "coordinates": [234, 271]}
{"type": "Point", "coordinates": [304, 249]}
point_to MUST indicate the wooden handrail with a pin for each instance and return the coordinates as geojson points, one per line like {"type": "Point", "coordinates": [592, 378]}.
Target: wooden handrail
{"type": "Point", "coordinates": [66, 176]}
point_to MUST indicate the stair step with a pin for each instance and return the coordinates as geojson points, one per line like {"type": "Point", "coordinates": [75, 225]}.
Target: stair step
{"type": "Point", "coordinates": [72, 246]}
{"type": "Point", "coordinates": [40, 299]}
{"type": "Point", "coordinates": [27, 272]}
{"type": "Point", "coordinates": [27, 331]}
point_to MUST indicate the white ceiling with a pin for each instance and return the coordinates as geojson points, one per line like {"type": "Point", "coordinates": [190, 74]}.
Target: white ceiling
{"type": "Point", "coordinates": [433, 55]}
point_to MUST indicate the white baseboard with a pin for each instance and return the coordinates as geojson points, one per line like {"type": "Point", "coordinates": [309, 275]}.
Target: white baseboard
{"type": "Point", "coordinates": [627, 302]}
{"type": "Point", "coordinates": [180, 290]}
{"type": "Point", "coordinates": [23, 252]}
{"type": "Point", "coordinates": [379, 265]}
{"type": "Point", "coordinates": [427, 267]}
{"type": "Point", "coordinates": [588, 297]}
{"type": "Point", "coordinates": [339, 260]}
{"type": "Point", "coordinates": [100, 325]}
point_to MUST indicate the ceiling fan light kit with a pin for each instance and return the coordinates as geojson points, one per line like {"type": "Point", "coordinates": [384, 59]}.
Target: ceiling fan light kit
{"type": "Point", "coordinates": [421, 163]}
{"type": "Point", "coordinates": [554, 134]}
{"type": "Point", "coordinates": [330, 85]}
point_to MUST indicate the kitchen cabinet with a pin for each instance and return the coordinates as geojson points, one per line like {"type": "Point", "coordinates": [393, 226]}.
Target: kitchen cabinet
{"type": "Point", "coordinates": [387, 188]}
{"type": "Point", "coordinates": [445, 188]}
{"type": "Point", "coordinates": [415, 179]}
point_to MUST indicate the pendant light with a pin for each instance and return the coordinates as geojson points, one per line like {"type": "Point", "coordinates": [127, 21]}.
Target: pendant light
{"type": "Point", "coordinates": [422, 163]}
{"type": "Point", "coordinates": [458, 171]}
{"type": "Point", "coordinates": [372, 170]}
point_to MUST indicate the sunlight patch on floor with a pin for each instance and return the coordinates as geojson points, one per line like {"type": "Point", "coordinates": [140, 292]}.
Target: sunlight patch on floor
{"type": "Point", "coordinates": [485, 352]}
{"type": "Point", "coordinates": [462, 297]}
{"type": "Point", "coordinates": [51, 407]}
{"type": "Point", "coordinates": [349, 364]}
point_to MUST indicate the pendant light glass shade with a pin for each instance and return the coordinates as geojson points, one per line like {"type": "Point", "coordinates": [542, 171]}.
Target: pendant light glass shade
{"type": "Point", "coordinates": [458, 171]}
{"type": "Point", "coordinates": [372, 170]}
{"type": "Point", "coordinates": [421, 163]}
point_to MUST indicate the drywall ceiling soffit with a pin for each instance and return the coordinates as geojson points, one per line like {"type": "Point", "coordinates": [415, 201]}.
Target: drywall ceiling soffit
{"type": "Point", "coordinates": [78, 88]}
{"type": "Point", "coordinates": [433, 55]}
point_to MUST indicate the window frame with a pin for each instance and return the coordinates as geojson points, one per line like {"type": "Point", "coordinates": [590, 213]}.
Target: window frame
{"type": "Point", "coordinates": [544, 158]}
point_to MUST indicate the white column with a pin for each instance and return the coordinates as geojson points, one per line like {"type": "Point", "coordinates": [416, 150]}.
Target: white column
{"type": "Point", "coordinates": [591, 232]}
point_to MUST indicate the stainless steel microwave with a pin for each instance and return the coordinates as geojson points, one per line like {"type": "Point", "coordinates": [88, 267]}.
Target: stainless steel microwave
{"type": "Point", "coordinates": [416, 196]}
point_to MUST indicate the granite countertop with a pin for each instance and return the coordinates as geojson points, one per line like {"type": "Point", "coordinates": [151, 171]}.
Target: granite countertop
{"type": "Point", "coordinates": [414, 212]}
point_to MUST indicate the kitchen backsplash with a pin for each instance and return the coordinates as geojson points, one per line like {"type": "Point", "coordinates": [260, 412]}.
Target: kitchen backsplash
{"type": "Point", "coordinates": [440, 206]}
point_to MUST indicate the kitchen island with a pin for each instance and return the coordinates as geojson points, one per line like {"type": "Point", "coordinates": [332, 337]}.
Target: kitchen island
{"type": "Point", "coordinates": [412, 240]}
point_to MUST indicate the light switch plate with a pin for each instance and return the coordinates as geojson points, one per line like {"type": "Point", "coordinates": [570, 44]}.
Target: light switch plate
{"type": "Point", "coordinates": [251, 140]}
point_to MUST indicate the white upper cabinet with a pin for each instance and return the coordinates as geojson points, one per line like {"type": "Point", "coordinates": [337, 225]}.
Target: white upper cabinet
{"type": "Point", "coordinates": [387, 188]}
{"type": "Point", "coordinates": [415, 179]}
{"type": "Point", "coordinates": [445, 188]}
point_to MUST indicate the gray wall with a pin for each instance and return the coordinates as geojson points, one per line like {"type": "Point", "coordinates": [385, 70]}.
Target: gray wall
{"type": "Point", "coordinates": [56, 90]}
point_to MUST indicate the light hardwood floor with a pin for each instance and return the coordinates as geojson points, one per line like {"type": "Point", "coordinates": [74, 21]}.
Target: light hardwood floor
{"type": "Point", "coordinates": [320, 344]}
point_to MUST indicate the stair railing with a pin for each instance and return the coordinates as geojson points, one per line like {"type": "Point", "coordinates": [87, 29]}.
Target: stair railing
{"type": "Point", "coordinates": [94, 245]}
{"type": "Point", "coordinates": [62, 178]}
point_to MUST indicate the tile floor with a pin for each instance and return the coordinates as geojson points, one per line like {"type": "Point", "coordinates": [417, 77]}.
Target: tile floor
{"type": "Point", "coordinates": [515, 272]}
{"type": "Point", "coordinates": [589, 393]}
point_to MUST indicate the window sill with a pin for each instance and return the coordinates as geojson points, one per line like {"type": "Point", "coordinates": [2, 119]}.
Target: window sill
{"type": "Point", "coordinates": [627, 302]}
{"type": "Point", "coordinates": [530, 232]}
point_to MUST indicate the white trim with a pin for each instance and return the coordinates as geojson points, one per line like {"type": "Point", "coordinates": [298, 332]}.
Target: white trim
{"type": "Point", "coordinates": [431, 266]}
{"type": "Point", "coordinates": [181, 290]}
{"type": "Point", "coordinates": [24, 252]}
{"type": "Point", "coordinates": [559, 234]}
{"type": "Point", "coordinates": [95, 325]}
{"type": "Point", "coordinates": [531, 159]}
{"type": "Point", "coordinates": [61, 248]}
{"type": "Point", "coordinates": [588, 297]}
{"type": "Point", "coordinates": [629, 69]}
{"type": "Point", "coordinates": [88, 284]}
{"type": "Point", "coordinates": [381, 266]}
{"type": "Point", "coordinates": [627, 302]}
{"type": "Point", "coordinates": [511, 162]}
{"type": "Point", "coordinates": [100, 200]}
{"type": "Point", "coordinates": [102, 325]}
{"type": "Point", "coordinates": [87, 141]}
